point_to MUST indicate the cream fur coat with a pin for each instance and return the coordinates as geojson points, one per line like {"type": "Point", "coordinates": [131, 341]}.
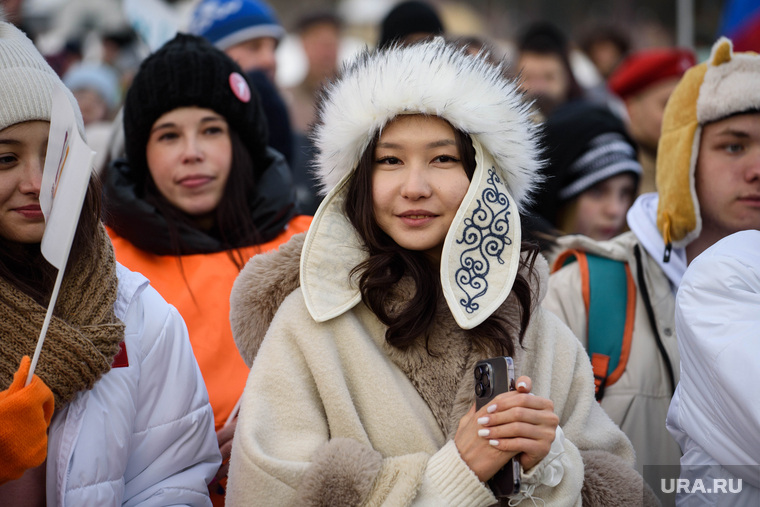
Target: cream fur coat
{"type": "Point", "coordinates": [333, 415]}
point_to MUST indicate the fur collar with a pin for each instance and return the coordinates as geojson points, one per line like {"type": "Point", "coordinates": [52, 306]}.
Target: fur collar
{"type": "Point", "coordinates": [269, 278]}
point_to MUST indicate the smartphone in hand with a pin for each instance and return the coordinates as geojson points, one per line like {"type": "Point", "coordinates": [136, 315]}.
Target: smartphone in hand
{"type": "Point", "coordinates": [492, 377]}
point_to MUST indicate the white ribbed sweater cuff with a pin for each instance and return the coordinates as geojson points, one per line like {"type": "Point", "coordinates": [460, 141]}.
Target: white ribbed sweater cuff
{"type": "Point", "coordinates": [449, 478]}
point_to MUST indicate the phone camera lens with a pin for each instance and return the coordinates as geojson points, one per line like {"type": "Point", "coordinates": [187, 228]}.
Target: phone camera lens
{"type": "Point", "coordinates": [480, 371]}
{"type": "Point", "coordinates": [480, 389]}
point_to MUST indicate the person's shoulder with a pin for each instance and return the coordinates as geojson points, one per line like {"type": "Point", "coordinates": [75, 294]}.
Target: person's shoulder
{"type": "Point", "coordinates": [566, 274]}
{"type": "Point", "coordinates": [144, 312]}
{"type": "Point", "coordinates": [617, 248]}
{"type": "Point", "coordinates": [730, 267]}
{"type": "Point", "coordinates": [548, 332]}
{"type": "Point", "coordinates": [258, 292]}
{"type": "Point", "coordinates": [740, 248]}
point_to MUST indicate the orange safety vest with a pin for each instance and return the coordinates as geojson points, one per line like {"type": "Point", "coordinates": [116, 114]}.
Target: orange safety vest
{"type": "Point", "coordinates": [199, 287]}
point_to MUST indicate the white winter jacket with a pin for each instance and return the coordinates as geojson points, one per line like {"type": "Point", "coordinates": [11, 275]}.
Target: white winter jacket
{"type": "Point", "coordinates": [715, 413]}
{"type": "Point", "coordinates": [144, 434]}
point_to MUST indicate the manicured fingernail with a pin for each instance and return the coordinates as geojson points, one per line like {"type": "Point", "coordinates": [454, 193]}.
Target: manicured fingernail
{"type": "Point", "coordinates": [483, 420]}
{"type": "Point", "coordinates": [491, 409]}
{"type": "Point", "coordinates": [522, 384]}
{"type": "Point", "coordinates": [493, 442]}
{"type": "Point", "coordinates": [483, 433]}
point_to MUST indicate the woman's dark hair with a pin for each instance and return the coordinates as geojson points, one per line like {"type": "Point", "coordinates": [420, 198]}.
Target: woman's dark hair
{"type": "Point", "coordinates": [24, 266]}
{"type": "Point", "coordinates": [388, 263]}
{"type": "Point", "coordinates": [233, 221]}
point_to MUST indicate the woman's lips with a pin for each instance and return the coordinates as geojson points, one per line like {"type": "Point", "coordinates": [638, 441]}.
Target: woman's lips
{"type": "Point", "coordinates": [31, 211]}
{"type": "Point", "coordinates": [417, 217]}
{"type": "Point", "coordinates": [194, 181]}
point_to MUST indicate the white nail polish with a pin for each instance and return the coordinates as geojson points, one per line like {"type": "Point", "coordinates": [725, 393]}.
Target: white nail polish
{"type": "Point", "coordinates": [493, 442]}
{"type": "Point", "coordinates": [483, 433]}
{"type": "Point", "coordinates": [491, 409]}
{"type": "Point", "coordinates": [483, 420]}
{"type": "Point", "coordinates": [522, 384]}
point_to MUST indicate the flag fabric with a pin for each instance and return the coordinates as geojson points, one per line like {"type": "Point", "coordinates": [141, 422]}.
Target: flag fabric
{"type": "Point", "coordinates": [65, 178]}
{"type": "Point", "coordinates": [68, 165]}
{"type": "Point", "coordinates": [741, 23]}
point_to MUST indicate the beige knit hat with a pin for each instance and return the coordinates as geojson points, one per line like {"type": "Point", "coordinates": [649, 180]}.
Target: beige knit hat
{"type": "Point", "coordinates": [726, 84]}
{"type": "Point", "coordinates": [26, 81]}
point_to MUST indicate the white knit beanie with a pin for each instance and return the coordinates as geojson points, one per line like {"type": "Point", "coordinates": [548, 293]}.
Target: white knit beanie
{"type": "Point", "coordinates": [26, 81]}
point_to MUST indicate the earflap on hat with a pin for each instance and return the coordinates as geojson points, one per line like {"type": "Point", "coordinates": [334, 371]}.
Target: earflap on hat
{"type": "Point", "coordinates": [481, 253]}
{"type": "Point", "coordinates": [332, 249]}
{"type": "Point", "coordinates": [678, 208]}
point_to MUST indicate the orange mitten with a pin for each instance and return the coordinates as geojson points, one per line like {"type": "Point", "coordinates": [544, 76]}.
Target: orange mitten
{"type": "Point", "coordinates": [25, 413]}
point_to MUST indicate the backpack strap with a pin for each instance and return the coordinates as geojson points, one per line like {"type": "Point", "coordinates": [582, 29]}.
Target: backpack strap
{"type": "Point", "coordinates": [609, 296]}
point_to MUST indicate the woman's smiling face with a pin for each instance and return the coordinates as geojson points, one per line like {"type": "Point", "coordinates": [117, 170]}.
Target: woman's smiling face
{"type": "Point", "coordinates": [418, 182]}
{"type": "Point", "coordinates": [22, 159]}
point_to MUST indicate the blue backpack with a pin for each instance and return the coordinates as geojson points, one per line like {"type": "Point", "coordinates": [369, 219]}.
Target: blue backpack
{"type": "Point", "coordinates": [609, 295]}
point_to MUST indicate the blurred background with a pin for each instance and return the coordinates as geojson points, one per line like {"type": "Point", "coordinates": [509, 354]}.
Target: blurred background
{"type": "Point", "coordinates": [646, 23]}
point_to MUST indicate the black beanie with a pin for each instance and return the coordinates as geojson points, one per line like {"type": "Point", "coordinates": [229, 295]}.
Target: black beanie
{"type": "Point", "coordinates": [189, 71]}
{"type": "Point", "coordinates": [408, 18]}
{"type": "Point", "coordinates": [585, 144]}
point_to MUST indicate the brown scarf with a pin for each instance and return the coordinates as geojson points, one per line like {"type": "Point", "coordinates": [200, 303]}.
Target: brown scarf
{"type": "Point", "coordinates": [84, 333]}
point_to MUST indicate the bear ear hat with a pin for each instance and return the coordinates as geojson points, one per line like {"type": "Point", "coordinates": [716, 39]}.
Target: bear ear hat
{"type": "Point", "coordinates": [724, 85]}
{"type": "Point", "coordinates": [721, 52]}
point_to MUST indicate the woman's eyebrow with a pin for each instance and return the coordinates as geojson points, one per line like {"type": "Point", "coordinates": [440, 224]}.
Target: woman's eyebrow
{"type": "Point", "coordinates": [441, 143]}
{"type": "Point", "coordinates": [433, 144]}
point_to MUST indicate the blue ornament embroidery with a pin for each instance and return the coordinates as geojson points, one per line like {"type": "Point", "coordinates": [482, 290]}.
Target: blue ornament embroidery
{"type": "Point", "coordinates": [486, 231]}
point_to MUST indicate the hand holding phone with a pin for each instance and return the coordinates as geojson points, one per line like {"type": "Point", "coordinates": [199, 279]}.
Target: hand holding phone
{"type": "Point", "coordinates": [492, 377]}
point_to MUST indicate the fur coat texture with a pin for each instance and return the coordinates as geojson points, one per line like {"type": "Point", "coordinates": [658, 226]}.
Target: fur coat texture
{"type": "Point", "coordinates": [333, 415]}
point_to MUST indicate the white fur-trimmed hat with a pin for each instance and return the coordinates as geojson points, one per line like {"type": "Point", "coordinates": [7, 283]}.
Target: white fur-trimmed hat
{"type": "Point", "coordinates": [26, 81]}
{"type": "Point", "coordinates": [481, 252]}
{"type": "Point", "coordinates": [724, 85]}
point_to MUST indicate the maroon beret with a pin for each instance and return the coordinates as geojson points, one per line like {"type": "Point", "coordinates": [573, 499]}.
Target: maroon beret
{"type": "Point", "coordinates": [647, 67]}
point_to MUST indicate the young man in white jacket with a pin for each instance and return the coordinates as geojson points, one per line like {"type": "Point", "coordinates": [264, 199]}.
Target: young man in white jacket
{"type": "Point", "coordinates": [708, 178]}
{"type": "Point", "coordinates": [715, 413]}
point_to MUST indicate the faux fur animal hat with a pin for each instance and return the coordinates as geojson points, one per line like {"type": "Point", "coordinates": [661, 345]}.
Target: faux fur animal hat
{"type": "Point", "coordinates": [724, 85]}
{"type": "Point", "coordinates": [481, 252]}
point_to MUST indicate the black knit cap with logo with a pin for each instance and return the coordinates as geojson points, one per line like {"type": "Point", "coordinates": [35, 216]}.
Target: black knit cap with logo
{"type": "Point", "coordinates": [189, 71]}
{"type": "Point", "coordinates": [584, 144]}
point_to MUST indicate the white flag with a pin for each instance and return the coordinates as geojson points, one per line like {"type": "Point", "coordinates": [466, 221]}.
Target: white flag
{"type": "Point", "coordinates": [64, 184]}
{"type": "Point", "coordinates": [68, 165]}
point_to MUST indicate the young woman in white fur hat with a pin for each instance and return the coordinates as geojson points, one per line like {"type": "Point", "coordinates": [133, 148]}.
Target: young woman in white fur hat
{"type": "Point", "coordinates": [365, 332]}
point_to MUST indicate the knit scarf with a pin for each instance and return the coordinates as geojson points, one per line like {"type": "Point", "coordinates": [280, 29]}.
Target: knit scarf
{"type": "Point", "coordinates": [84, 334]}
